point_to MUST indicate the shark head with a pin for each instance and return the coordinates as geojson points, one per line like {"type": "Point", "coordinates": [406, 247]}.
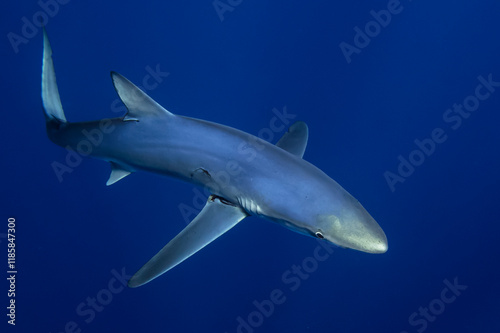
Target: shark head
{"type": "Point", "coordinates": [351, 226]}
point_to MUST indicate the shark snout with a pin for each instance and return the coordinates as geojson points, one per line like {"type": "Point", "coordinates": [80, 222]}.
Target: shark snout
{"type": "Point", "coordinates": [365, 236]}
{"type": "Point", "coordinates": [356, 229]}
{"type": "Point", "coordinates": [366, 233]}
{"type": "Point", "coordinates": [375, 241]}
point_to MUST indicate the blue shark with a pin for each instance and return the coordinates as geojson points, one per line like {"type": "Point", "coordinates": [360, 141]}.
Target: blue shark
{"type": "Point", "coordinates": [273, 182]}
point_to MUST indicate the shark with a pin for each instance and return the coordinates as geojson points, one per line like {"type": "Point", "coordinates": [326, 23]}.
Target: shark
{"type": "Point", "coordinates": [271, 181]}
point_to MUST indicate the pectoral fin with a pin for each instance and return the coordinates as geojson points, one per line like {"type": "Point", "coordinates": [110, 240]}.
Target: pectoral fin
{"type": "Point", "coordinates": [217, 217]}
{"type": "Point", "coordinates": [295, 140]}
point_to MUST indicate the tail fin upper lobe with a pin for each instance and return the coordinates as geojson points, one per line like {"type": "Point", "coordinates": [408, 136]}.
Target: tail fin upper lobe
{"type": "Point", "coordinates": [52, 107]}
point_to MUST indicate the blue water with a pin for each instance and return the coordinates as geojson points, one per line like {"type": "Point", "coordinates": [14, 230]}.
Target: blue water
{"type": "Point", "coordinates": [365, 108]}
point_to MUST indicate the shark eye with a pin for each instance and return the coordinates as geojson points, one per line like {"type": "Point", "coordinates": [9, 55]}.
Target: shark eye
{"type": "Point", "coordinates": [319, 235]}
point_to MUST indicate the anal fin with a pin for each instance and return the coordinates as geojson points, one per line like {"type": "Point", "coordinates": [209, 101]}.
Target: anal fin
{"type": "Point", "coordinates": [117, 173]}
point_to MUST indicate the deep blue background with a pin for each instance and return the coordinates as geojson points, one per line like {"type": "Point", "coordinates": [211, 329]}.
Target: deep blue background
{"type": "Point", "coordinates": [442, 222]}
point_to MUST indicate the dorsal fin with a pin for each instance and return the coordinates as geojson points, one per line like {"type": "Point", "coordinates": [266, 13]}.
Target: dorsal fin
{"type": "Point", "coordinates": [294, 140]}
{"type": "Point", "coordinates": [138, 103]}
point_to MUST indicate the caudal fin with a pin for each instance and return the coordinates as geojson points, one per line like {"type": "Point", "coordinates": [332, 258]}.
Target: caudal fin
{"type": "Point", "coordinates": [50, 95]}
